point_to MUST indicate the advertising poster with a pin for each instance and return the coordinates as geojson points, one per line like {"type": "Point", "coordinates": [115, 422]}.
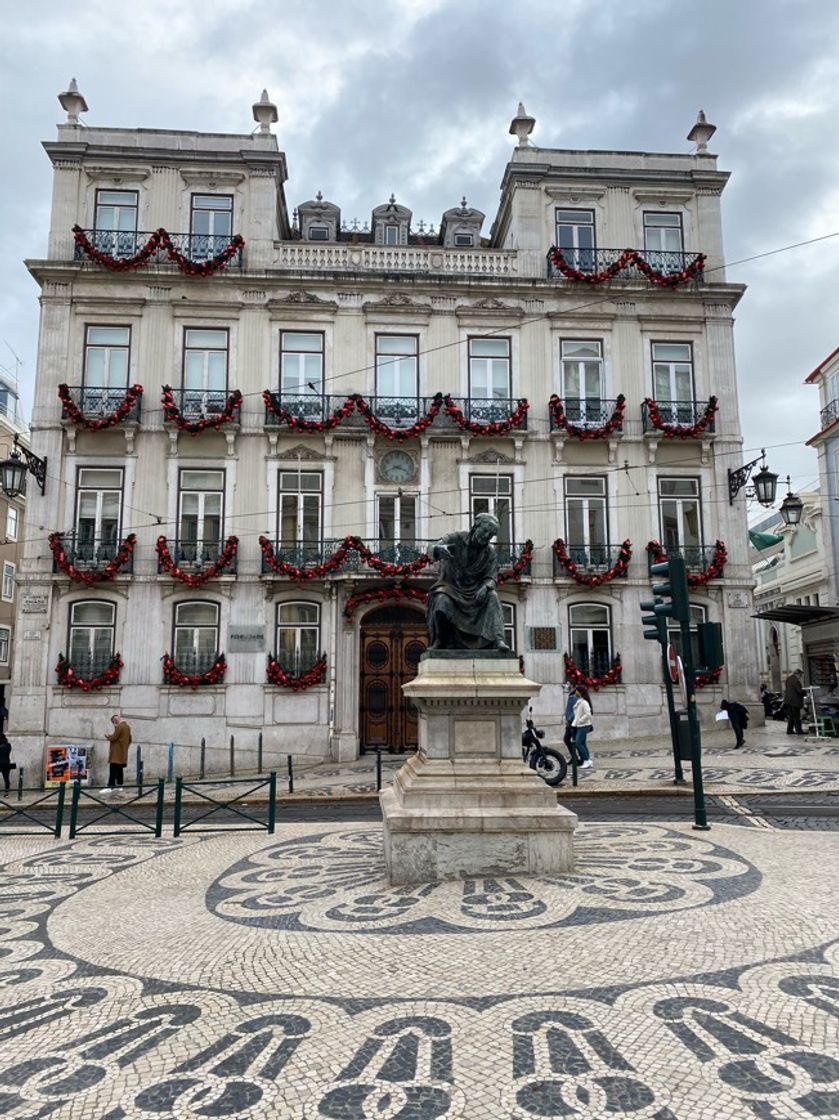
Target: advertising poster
{"type": "Point", "coordinates": [67, 762]}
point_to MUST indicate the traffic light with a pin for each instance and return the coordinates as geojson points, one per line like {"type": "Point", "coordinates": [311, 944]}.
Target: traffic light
{"type": "Point", "coordinates": [656, 622]}
{"type": "Point", "coordinates": [711, 652]}
{"type": "Point", "coordinates": [676, 589]}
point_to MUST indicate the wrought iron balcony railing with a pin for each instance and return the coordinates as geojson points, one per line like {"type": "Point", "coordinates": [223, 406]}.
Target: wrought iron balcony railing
{"type": "Point", "coordinates": [192, 662]}
{"type": "Point", "coordinates": [89, 665]}
{"type": "Point", "coordinates": [311, 554]}
{"type": "Point", "coordinates": [100, 401]}
{"type": "Point", "coordinates": [594, 663]}
{"type": "Point", "coordinates": [682, 414]}
{"type": "Point", "coordinates": [192, 554]}
{"type": "Point", "coordinates": [396, 412]}
{"type": "Point", "coordinates": [199, 404]}
{"type": "Point", "coordinates": [696, 557]}
{"type": "Point", "coordinates": [296, 664]}
{"type": "Point", "coordinates": [829, 415]}
{"type": "Point", "coordinates": [127, 243]}
{"type": "Point", "coordinates": [598, 260]}
{"type": "Point", "coordinates": [589, 557]}
{"type": "Point", "coordinates": [591, 413]}
{"type": "Point", "coordinates": [86, 551]}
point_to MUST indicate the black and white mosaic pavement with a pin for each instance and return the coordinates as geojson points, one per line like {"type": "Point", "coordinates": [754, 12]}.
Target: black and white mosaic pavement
{"type": "Point", "coordinates": [676, 976]}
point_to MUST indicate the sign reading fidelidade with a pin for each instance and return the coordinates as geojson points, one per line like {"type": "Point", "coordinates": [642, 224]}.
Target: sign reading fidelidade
{"type": "Point", "coordinates": [245, 638]}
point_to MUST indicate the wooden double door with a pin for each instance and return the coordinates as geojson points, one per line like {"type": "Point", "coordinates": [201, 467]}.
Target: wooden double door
{"type": "Point", "coordinates": [392, 641]}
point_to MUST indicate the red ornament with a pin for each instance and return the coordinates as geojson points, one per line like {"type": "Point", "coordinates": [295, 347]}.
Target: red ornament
{"type": "Point", "coordinates": [225, 560]}
{"type": "Point", "coordinates": [277, 675]}
{"type": "Point", "coordinates": [214, 675]}
{"type": "Point", "coordinates": [577, 676]}
{"type": "Point", "coordinates": [172, 413]}
{"type": "Point", "coordinates": [72, 411]}
{"type": "Point", "coordinates": [613, 424]}
{"type": "Point", "coordinates": [68, 678]}
{"type": "Point", "coordinates": [91, 576]}
{"type": "Point", "coordinates": [159, 241]}
{"type": "Point", "coordinates": [681, 431]}
{"type": "Point", "coordinates": [619, 569]}
{"type": "Point", "coordinates": [714, 570]}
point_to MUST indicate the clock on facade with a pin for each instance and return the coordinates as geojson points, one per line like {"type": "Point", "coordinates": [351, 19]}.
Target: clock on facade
{"type": "Point", "coordinates": [396, 466]}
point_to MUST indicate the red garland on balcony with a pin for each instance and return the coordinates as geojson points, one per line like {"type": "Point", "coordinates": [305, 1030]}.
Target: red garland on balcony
{"type": "Point", "coordinates": [172, 413]}
{"type": "Point", "coordinates": [515, 571]}
{"type": "Point", "coordinates": [496, 428]}
{"type": "Point", "coordinates": [277, 675]}
{"type": "Point", "coordinates": [196, 579]}
{"type": "Point", "coordinates": [214, 675]}
{"type": "Point", "coordinates": [100, 575]}
{"type": "Point", "coordinates": [68, 678]}
{"type": "Point", "coordinates": [629, 258]}
{"type": "Point", "coordinates": [681, 431]}
{"type": "Point", "coordinates": [160, 239]}
{"type": "Point", "coordinates": [695, 579]}
{"type": "Point", "coordinates": [120, 413]}
{"type": "Point", "coordinates": [399, 434]}
{"type": "Point", "coordinates": [309, 427]}
{"type": "Point", "coordinates": [383, 595]}
{"type": "Point", "coordinates": [339, 558]}
{"type": "Point", "coordinates": [702, 680]}
{"type": "Point", "coordinates": [619, 568]}
{"type": "Point", "coordinates": [577, 676]}
{"type": "Point", "coordinates": [613, 424]}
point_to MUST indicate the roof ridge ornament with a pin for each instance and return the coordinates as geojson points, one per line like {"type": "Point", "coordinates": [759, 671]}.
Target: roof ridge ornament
{"type": "Point", "coordinates": [522, 125]}
{"type": "Point", "coordinates": [701, 133]}
{"type": "Point", "coordinates": [73, 103]}
{"type": "Point", "coordinates": [265, 112]}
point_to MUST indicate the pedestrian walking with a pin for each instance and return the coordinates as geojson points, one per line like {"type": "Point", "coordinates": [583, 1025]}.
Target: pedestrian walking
{"type": "Point", "coordinates": [582, 725]}
{"type": "Point", "coordinates": [568, 737]}
{"type": "Point", "coordinates": [6, 765]}
{"type": "Point", "coordinates": [120, 740]}
{"type": "Point", "coordinates": [794, 700]}
{"type": "Point", "coordinates": [738, 717]}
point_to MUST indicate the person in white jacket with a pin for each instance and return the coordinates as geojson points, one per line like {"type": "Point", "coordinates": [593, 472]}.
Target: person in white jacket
{"type": "Point", "coordinates": [582, 725]}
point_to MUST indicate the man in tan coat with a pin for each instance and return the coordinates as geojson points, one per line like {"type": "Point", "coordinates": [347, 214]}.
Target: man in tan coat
{"type": "Point", "coordinates": [120, 741]}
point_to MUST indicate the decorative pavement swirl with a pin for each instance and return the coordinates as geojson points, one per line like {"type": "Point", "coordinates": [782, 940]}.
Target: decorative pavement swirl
{"type": "Point", "coordinates": [674, 976]}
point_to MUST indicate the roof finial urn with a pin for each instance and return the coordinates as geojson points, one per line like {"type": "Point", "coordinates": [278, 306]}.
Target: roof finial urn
{"type": "Point", "coordinates": [522, 126]}
{"type": "Point", "coordinates": [701, 133]}
{"type": "Point", "coordinates": [72, 102]}
{"type": "Point", "coordinates": [265, 112]}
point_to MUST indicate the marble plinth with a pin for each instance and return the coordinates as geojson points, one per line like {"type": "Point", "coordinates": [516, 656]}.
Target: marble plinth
{"type": "Point", "coordinates": [466, 804]}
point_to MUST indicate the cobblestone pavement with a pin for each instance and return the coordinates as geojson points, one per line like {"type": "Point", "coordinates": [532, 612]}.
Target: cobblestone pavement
{"type": "Point", "coordinates": [677, 975]}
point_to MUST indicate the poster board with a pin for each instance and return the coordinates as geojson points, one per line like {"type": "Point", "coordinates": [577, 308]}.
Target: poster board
{"type": "Point", "coordinates": [62, 764]}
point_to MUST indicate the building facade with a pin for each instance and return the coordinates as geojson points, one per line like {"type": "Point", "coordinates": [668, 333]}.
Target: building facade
{"type": "Point", "coordinates": [12, 512]}
{"type": "Point", "coordinates": [266, 418]}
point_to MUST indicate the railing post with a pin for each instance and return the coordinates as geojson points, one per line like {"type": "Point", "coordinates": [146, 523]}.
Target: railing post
{"type": "Point", "coordinates": [290, 775]}
{"type": "Point", "coordinates": [59, 810]}
{"type": "Point", "coordinates": [176, 827]}
{"type": "Point", "coordinates": [158, 818]}
{"type": "Point", "coordinates": [232, 757]}
{"type": "Point", "coordinates": [139, 771]}
{"type": "Point", "coordinates": [203, 758]}
{"type": "Point", "coordinates": [170, 762]}
{"type": "Point", "coordinates": [272, 800]}
{"type": "Point", "coordinates": [78, 771]}
{"type": "Point", "coordinates": [259, 754]}
{"type": "Point", "coordinates": [74, 809]}
{"type": "Point", "coordinates": [378, 769]}
{"type": "Point", "coordinates": [20, 784]}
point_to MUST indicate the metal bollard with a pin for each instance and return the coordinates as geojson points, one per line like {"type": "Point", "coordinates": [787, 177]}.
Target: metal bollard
{"type": "Point", "coordinates": [170, 762]}
{"type": "Point", "coordinates": [290, 775]}
{"type": "Point", "coordinates": [79, 769]}
{"type": "Point", "coordinates": [203, 759]}
{"type": "Point", "coordinates": [573, 772]}
{"type": "Point", "coordinates": [20, 784]}
{"type": "Point", "coordinates": [139, 771]}
{"type": "Point", "coordinates": [259, 754]}
{"type": "Point", "coordinates": [232, 757]}
{"type": "Point", "coordinates": [378, 769]}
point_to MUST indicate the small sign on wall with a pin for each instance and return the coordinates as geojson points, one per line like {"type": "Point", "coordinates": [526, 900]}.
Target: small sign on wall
{"type": "Point", "coordinates": [245, 638]}
{"type": "Point", "coordinates": [738, 599]}
{"type": "Point", "coordinates": [33, 604]}
{"type": "Point", "coordinates": [67, 763]}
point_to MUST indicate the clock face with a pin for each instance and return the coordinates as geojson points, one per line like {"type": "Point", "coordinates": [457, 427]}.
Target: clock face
{"type": "Point", "coordinates": [397, 466]}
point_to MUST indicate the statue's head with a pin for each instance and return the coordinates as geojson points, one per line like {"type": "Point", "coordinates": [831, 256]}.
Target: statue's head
{"type": "Point", "coordinates": [485, 528]}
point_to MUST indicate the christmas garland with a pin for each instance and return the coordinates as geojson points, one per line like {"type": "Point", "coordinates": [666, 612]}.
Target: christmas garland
{"type": "Point", "coordinates": [100, 575]}
{"type": "Point", "coordinates": [173, 414]}
{"type": "Point", "coordinates": [383, 595]}
{"type": "Point", "coordinates": [173, 675]}
{"type": "Point", "coordinates": [196, 579]}
{"type": "Point", "coordinates": [277, 675]}
{"type": "Point", "coordinates": [613, 424]}
{"type": "Point", "coordinates": [695, 579]}
{"type": "Point", "coordinates": [308, 427]}
{"type": "Point", "coordinates": [577, 676]}
{"type": "Point", "coordinates": [523, 562]}
{"type": "Point", "coordinates": [399, 434]}
{"type": "Point", "coordinates": [712, 676]}
{"type": "Point", "coordinates": [681, 431]}
{"type": "Point", "coordinates": [629, 258]}
{"type": "Point", "coordinates": [619, 568]}
{"type": "Point", "coordinates": [495, 428]}
{"type": "Point", "coordinates": [160, 239]}
{"type": "Point", "coordinates": [68, 678]}
{"type": "Point", "coordinates": [339, 558]}
{"type": "Point", "coordinates": [73, 413]}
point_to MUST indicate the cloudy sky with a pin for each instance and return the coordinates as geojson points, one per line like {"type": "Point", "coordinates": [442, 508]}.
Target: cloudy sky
{"type": "Point", "coordinates": [415, 97]}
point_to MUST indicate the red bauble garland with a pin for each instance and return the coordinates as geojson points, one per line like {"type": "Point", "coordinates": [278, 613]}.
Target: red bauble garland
{"type": "Point", "coordinates": [277, 675]}
{"type": "Point", "coordinates": [495, 428]}
{"type": "Point", "coordinates": [160, 239]}
{"type": "Point", "coordinates": [577, 676]}
{"type": "Point", "coordinates": [120, 413]}
{"type": "Point", "coordinates": [339, 558]}
{"type": "Point", "coordinates": [695, 579]}
{"type": "Point", "coordinates": [173, 413]}
{"type": "Point", "coordinates": [68, 678]}
{"type": "Point", "coordinates": [629, 258]}
{"type": "Point", "coordinates": [712, 676]}
{"type": "Point", "coordinates": [308, 427]}
{"type": "Point", "coordinates": [523, 562]}
{"type": "Point", "coordinates": [619, 568]}
{"type": "Point", "coordinates": [173, 675]}
{"type": "Point", "coordinates": [399, 434]}
{"type": "Point", "coordinates": [196, 579]}
{"type": "Point", "coordinates": [681, 431]}
{"type": "Point", "coordinates": [383, 595]}
{"type": "Point", "coordinates": [100, 575]}
{"type": "Point", "coordinates": [613, 424]}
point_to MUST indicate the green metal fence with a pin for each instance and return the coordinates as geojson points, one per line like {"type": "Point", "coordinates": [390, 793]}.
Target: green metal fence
{"type": "Point", "coordinates": [50, 802]}
{"type": "Point", "coordinates": [118, 817]}
{"type": "Point", "coordinates": [235, 808]}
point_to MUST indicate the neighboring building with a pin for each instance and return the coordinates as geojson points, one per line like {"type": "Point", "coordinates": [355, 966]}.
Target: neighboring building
{"type": "Point", "coordinates": [11, 537]}
{"type": "Point", "coordinates": [314, 310]}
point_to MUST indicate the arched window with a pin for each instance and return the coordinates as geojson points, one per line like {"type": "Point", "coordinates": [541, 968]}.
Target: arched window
{"type": "Point", "coordinates": [196, 638]}
{"type": "Point", "coordinates": [298, 636]}
{"type": "Point", "coordinates": [91, 638]}
{"type": "Point", "coordinates": [590, 627]}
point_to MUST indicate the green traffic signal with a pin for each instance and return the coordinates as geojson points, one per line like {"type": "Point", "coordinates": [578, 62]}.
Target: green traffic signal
{"type": "Point", "coordinates": [656, 620]}
{"type": "Point", "coordinates": [676, 589]}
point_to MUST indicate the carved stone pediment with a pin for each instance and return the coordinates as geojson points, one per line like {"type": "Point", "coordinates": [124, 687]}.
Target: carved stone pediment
{"type": "Point", "coordinates": [302, 297]}
{"type": "Point", "coordinates": [396, 299]}
{"type": "Point", "coordinates": [299, 451]}
{"type": "Point", "coordinates": [493, 457]}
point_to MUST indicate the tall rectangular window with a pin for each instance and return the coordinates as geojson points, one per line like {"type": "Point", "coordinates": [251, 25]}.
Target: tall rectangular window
{"type": "Point", "coordinates": [397, 520]}
{"type": "Point", "coordinates": [115, 222]}
{"type": "Point", "coordinates": [298, 636]}
{"type": "Point", "coordinates": [391, 235]}
{"type": "Point", "coordinates": [673, 372]}
{"type": "Point", "coordinates": [680, 518]}
{"type": "Point", "coordinates": [587, 535]}
{"type": "Point", "coordinates": [575, 237]}
{"type": "Point", "coordinates": [196, 638]}
{"type": "Point", "coordinates": [201, 509]}
{"type": "Point", "coordinates": [91, 639]}
{"type": "Point", "coordinates": [490, 369]}
{"type": "Point", "coordinates": [105, 369]}
{"type": "Point", "coordinates": [582, 380]}
{"type": "Point", "coordinates": [300, 513]}
{"type": "Point", "coordinates": [493, 494]}
{"type": "Point", "coordinates": [589, 626]}
{"type": "Point", "coordinates": [11, 522]}
{"type": "Point", "coordinates": [8, 589]}
{"type": "Point", "coordinates": [98, 510]}
{"type": "Point", "coordinates": [662, 232]}
{"type": "Point", "coordinates": [301, 372]}
{"type": "Point", "coordinates": [5, 642]}
{"type": "Point", "coordinates": [508, 613]}
{"type": "Point", "coordinates": [210, 224]}
{"type": "Point", "coordinates": [396, 366]}
{"type": "Point", "coordinates": [205, 370]}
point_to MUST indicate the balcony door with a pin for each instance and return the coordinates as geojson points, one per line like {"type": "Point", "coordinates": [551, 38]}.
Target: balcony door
{"type": "Point", "coordinates": [392, 641]}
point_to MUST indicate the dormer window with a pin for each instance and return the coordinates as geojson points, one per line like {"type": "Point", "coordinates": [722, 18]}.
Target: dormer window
{"type": "Point", "coordinates": [318, 233]}
{"type": "Point", "coordinates": [464, 240]}
{"type": "Point", "coordinates": [391, 235]}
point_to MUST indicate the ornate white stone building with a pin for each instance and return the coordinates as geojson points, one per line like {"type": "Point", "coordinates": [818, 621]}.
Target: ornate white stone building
{"type": "Point", "coordinates": [314, 309]}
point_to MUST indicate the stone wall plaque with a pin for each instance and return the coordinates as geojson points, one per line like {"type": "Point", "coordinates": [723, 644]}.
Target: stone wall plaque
{"type": "Point", "coordinates": [33, 603]}
{"type": "Point", "coordinates": [245, 638]}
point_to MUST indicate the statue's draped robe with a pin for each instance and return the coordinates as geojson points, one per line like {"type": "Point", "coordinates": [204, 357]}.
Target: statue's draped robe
{"type": "Point", "coordinates": [455, 620]}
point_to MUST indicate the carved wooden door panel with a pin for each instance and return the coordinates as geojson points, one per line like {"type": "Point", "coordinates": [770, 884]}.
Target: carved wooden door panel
{"type": "Point", "coordinates": [392, 640]}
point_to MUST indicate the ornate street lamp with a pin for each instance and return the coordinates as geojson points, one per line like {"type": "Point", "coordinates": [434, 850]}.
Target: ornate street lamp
{"type": "Point", "coordinates": [13, 471]}
{"type": "Point", "coordinates": [765, 482]}
{"type": "Point", "coordinates": [791, 507]}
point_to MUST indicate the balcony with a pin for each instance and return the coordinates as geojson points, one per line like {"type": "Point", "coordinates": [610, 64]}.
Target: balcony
{"type": "Point", "coordinates": [596, 262]}
{"type": "Point", "coordinates": [589, 559]}
{"type": "Point", "coordinates": [309, 256]}
{"type": "Point", "coordinates": [395, 412]}
{"type": "Point", "coordinates": [194, 556]}
{"type": "Point", "coordinates": [88, 553]}
{"type": "Point", "coordinates": [593, 413]}
{"type": "Point", "coordinates": [829, 415]}
{"type": "Point", "coordinates": [306, 556]}
{"type": "Point", "coordinates": [101, 403]}
{"type": "Point", "coordinates": [697, 558]}
{"type": "Point", "coordinates": [684, 415]}
{"type": "Point", "coordinates": [125, 244]}
{"type": "Point", "coordinates": [200, 404]}
{"type": "Point", "coordinates": [195, 663]}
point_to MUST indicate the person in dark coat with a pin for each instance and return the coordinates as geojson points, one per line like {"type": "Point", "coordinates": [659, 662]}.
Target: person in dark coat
{"type": "Point", "coordinates": [5, 761]}
{"type": "Point", "coordinates": [120, 741]}
{"type": "Point", "coordinates": [738, 717]}
{"type": "Point", "coordinates": [794, 700]}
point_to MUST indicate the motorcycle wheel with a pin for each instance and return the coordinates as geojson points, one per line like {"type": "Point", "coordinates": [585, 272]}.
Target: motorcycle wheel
{"type": "Point", "coordinates": [550, 766]}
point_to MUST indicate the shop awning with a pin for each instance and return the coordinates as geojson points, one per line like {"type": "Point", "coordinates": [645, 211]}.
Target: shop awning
{"type": "Point", "coordinates": [764, 540]}
{"type": "Point", "coordinates": [800, 615]}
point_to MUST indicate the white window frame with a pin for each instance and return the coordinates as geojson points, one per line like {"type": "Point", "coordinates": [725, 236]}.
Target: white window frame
{"type": "Point", "coordinates": [587, 550]}
{"type": "Point", "coordinates": [589, 630]}
{"type": "Point", "coordinates": [402, 503]}
{"type": "Point", "coordinates": [396, 365]}
{"type": "Point", "coordinates": [295, 501]}
{"type": "Point", "coordinates": [577, 255]}
{"type": "Point", "coordinates": [294, 381]}
{"type": "Point", "coordinates": [657, 230]}
{"type": "Point", "coordinates": [206, 548]}
{"type": "Point", "coordinates": [300, 660]}
{"type": "Point", "coordinates": [110, 349]}
{"type": "Point", "coordinates": [675, 393]}
{"type": "Point", "coordinates": [5, 644]}
{"type": "Point", "coordinates": [698, 615]}
{"type": "Point", "coordinates": [490, 369]}
{"type": "Point", "coordinates": [118, 208]}
{"type": "Point", "coordinates": [207, 396]}
{"type": "Point", "coordinates": [91, 664]}
{"type": "Point", "coordinates": [12, 522]}
{"type": "Point", "coordinates": [508, 613]}
{"type": "Point", "coordinates": [194, 662]}
{"type": "Point", "coordinates": [682, 503]}
{"type": "Point", "coordinates": [102, 546]}
{"type": "Point", "coordinates": [215, 211]}
{"type": "Point", "coordinates": [496, 499]}
{"type": "Point", "coordinates": [582, 406]}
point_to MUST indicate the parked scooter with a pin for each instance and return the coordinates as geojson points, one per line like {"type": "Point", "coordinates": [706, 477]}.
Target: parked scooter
{"type": "Point", "coordinates": [548, 763]}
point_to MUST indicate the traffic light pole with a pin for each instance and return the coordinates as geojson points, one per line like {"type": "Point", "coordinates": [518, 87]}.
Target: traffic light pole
{"type": "Point", "coordinates": [679, 779]}
{"type": "Point", "coordinates": [700, 817]}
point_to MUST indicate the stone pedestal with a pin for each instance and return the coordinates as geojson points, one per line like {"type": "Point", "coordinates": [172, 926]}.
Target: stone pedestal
{"type": "Point", "coordinates": [466, 804]}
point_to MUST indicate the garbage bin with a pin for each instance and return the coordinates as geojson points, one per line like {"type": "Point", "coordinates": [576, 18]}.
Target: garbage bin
{"type": "Point", "coordinates": [684, 737]}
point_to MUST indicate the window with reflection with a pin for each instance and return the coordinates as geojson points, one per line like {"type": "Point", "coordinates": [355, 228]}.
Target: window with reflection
{"type": "Point", "coordinates": [300, 512]}
{"type": "Point", "coordinates": [673, 381]}
{"type": "Point", "coordinates": [493, 493]}
{"type": "Point", "coordinates": [301, 371]}
{"type": "Point", "coordinates": [196, 637]}
{"type": "Point", "coordinates": [582, 381]}
{"type": "Point", "coordinates": [91, 638]}
{"type": "Point", "coordinates": [98, 511]}
{"type": "Point", "coordinates": [490, 369]}
{"type": "Point", "coordinates": [396, 367]}
{"type": "Point", "coordinates": [663, 232]}
{"type": "Point", "coordinates": [298, 636]}
{"type": "Point", "coordinates": [586, 532]}
{"type": "Point", "coordinates": [200, 513]}
{"type": "Point", "coordinates": [210, 224]}
{"type": "Point", "coordinates": [115, 222]}
{"type": "Point", "coordinates": [575, 237]}
{"type": "Point", "coordinates": [680, 518]}
{"type": "Point", "coordinates": [205, 371]}
{"type": "Point", "coordinates": [397, 526]}
{"type": "Point", "coordinates": [590, 632]}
